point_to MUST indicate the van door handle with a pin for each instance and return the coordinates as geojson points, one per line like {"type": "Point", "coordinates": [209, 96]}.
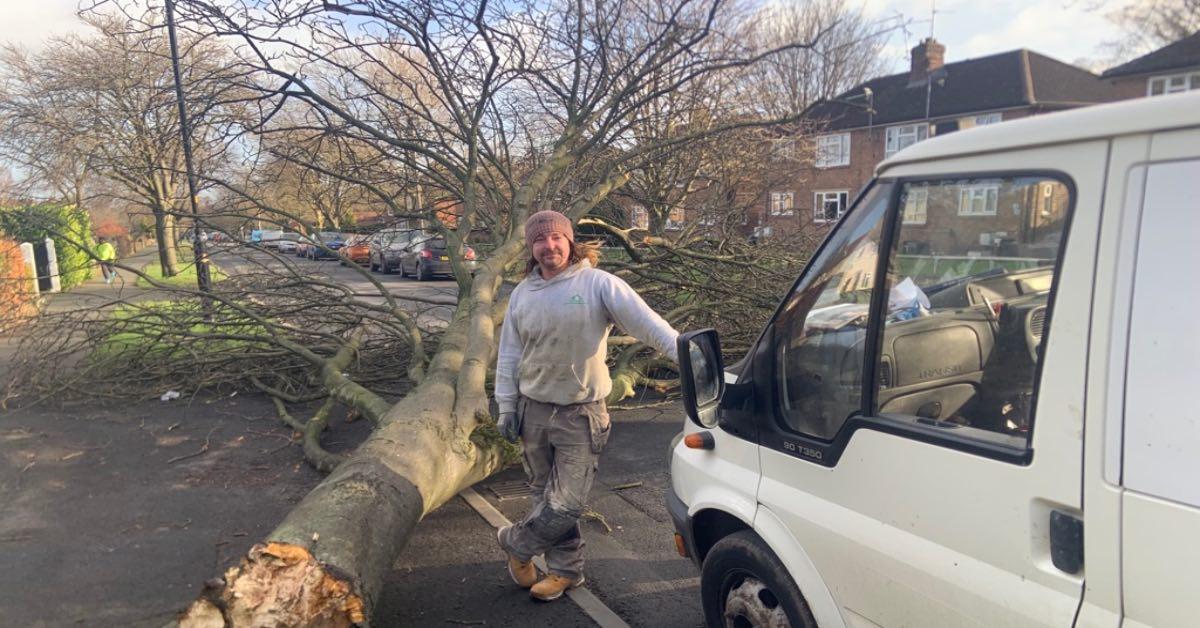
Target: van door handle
{"type": "Point", "coordinates": [1066, 542]}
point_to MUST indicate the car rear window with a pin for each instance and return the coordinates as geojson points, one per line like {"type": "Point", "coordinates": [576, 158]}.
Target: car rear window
{"type": "Point", "coordinates": [437, 244]}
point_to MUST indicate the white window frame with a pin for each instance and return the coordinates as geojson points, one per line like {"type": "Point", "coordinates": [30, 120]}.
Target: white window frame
{"type": "Point", "coordinates": [777, 206]}
{"type": "Point", "coordinates": [1187, 81]}
{"type": "Point", "coordinates": [820, 197]}
{"type": "Point", "coordinates": [970, 195]}
{"type": "Point", "coordinates": [833, 150]}
{"type": "Point", "coordinates": [906, 134]}
{"type": "Point", "coordinates": [916, 206]}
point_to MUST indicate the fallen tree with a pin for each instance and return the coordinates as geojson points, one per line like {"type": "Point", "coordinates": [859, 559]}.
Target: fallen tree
{"type": "Point", "coordinates": [568, 91]}
{"type": "Point", "coordinates": [485, 113]}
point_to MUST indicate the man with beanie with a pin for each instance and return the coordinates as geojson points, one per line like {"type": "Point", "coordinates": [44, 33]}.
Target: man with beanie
{"type": "Point", "coordinates": [551, 382]}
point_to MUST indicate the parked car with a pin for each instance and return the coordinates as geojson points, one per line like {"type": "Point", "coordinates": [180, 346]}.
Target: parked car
{"type": "Point", "coordinates": [270, 238]}
{"type": "Point", "coordinates": [287, 242]}
{"type": "Point", "coordinates": [356, 250]}
{"type": "Point", "coordinates": [960, 431]}
{"type": "Point", "coordinates": [331, 242]}
{"type": "Point", "coordinates": [302, 244]}
{"type": "Point", "coordinates": [386, 246]}
{"type": "Point", "coordinates": [425, 257]}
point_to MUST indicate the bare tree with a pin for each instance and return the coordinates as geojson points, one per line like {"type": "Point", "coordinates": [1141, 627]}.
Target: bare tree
{"type": "Point", "coordinates": [104, 105]}
{"type": "Point", "coordinates": [318, 175]}
{"type": "Point", "coordinates": [848, 50]}
{"type": "Point", "coordinates": [1152, 24]}
{"type": "Point", "coordinates": [483, 112]}
{"type": "Point", "coordinates": [56, 161]}
{"type": "Point", "coordinates": [494, 106]}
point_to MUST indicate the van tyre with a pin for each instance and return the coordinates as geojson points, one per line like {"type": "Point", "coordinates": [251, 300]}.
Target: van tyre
{"type": "Point", "coordinates": [742, 583]}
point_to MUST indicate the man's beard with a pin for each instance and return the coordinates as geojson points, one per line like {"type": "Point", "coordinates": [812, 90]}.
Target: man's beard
{"type": "Point", "coordinates": [546, 260]}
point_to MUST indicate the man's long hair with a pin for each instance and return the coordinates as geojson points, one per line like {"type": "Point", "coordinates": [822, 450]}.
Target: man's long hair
{"type": "Point", "coordinates": [580, 251]}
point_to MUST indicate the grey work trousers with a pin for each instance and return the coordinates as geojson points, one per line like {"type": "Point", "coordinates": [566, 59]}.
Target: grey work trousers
{"type": "Point", "coordinates": [562, 446]}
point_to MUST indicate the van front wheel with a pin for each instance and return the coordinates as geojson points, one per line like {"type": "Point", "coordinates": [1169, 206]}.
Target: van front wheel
{"type": "Point", "coordinates": [742, 583]}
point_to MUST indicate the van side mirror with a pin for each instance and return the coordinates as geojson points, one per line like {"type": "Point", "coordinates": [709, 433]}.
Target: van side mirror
{"type": "Point", "coordinates": [702, 375]}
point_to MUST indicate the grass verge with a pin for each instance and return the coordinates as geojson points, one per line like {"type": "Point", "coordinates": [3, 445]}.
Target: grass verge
{"type": "Point", "coordinates": [172, 329]}
{"type": "Point", "coordinates": [185, 279]}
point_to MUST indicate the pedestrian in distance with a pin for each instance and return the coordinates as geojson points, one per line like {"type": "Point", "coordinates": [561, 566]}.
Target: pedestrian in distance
{"type": "Point", "coordinates": [551, 382]}
{"type": "Point", "coordinates": [107, 254]}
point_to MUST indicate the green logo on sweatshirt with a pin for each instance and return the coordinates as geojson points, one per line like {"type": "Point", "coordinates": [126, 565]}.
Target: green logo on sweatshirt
{"type": "Point", "coordinates": [576, 300]}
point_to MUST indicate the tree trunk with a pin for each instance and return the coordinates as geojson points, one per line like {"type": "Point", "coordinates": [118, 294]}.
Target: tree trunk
{"type": "Point", "coordinates": [325, 564]}
{"type": "Point", "coordinates": [164, 232]}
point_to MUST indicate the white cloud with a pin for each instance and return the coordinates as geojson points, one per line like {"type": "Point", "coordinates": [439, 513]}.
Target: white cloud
{"type": "Point", "coordinates": [1050, 27]}
{"type": "Point", "coordinates": [30, 22]}
{"type": "Point", "coordinates": [1067, 30]}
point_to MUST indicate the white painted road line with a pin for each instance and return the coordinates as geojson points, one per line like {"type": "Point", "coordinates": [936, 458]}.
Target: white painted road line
{"type": "Point", "coordinates": [584, 599]}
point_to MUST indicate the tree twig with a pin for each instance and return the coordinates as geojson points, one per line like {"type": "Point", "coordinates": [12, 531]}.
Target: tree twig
{"type": "Point", "coordinates": [203, 448]}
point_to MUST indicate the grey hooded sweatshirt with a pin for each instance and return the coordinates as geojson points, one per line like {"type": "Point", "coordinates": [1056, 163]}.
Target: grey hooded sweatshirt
{"type": "Point", "coordinates": [555, 334]}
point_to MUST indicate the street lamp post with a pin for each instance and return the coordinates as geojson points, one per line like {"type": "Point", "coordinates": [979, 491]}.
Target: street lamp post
{"type": "Point", "coordinates": [203, 280]}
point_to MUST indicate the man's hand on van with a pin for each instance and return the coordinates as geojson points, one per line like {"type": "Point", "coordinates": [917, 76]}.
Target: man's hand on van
{"type": "Point", "coordinates": [509, 426]}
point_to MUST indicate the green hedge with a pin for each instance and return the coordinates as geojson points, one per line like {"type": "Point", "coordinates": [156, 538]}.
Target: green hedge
{"type": "Point", "coordinates": [68, 226]}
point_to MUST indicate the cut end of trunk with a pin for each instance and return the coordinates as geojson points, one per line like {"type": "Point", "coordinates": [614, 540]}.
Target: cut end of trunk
{"type": "Point", "coordinates": [278, 584]}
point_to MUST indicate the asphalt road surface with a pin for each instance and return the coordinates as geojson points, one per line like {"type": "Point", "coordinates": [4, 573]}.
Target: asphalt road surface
{"type": "Point", "coordinates": [452, 572]}
{"type": "Point", "coordinates": [114, 515]}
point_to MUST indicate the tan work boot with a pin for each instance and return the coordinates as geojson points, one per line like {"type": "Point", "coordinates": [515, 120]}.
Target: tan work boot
{"type": "Point", "coordinates": [553, 586]}
{"type": "Point", "coordinates": [522, 572]}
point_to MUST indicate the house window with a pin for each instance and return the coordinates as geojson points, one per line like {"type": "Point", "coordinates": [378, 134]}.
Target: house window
{"type": "Point", "coordinates": [783, 150]}
{"type": "Point", "coordinates": [783, 203]}
{"type": "Point", "coordinates": [903, 136]}
{"type": "Point", "coordinates": [1173, 84]}
{"type": "Point", "coordinates": [639, 217]}
{"type": "Point", "coordinates": [674, 219]}
{"type": "Point", "coordinates": [833, 150]}
{"type": "Point", "coordinates": [828, 206]}
{"type": "Point", "coordinates": [916, 205]}
{"type": "Point", "coordinates": [978, 199]}
{"type": "Point", "coordinates": [986, 119]}
{"type": "Point", "coordinates": [707, 220]}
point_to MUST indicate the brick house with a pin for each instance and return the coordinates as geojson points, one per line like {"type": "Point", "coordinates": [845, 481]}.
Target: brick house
{"type": "Point", "coordinates": [1168, 70]}
{"type": "Point", "coordinates": [870, 122]}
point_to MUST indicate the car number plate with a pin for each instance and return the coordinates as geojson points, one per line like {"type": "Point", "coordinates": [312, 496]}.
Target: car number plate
{"type": "Point", "coordinates": [445, 258]}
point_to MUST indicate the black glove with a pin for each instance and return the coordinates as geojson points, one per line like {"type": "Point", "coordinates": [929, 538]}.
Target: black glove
{"type": "Point", "coordinates": [509, 426]}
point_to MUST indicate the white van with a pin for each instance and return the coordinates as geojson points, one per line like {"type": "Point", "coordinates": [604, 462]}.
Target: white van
{"type": "Point", "coordinates": [974, 407]}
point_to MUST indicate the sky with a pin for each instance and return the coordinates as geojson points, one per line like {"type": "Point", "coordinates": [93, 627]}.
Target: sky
{"type": "Point", "coordinates": [1068, 30]}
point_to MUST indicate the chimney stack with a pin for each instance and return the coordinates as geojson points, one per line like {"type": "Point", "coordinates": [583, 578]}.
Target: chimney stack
{"type": "Point", "coordinates": [927, 57]}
